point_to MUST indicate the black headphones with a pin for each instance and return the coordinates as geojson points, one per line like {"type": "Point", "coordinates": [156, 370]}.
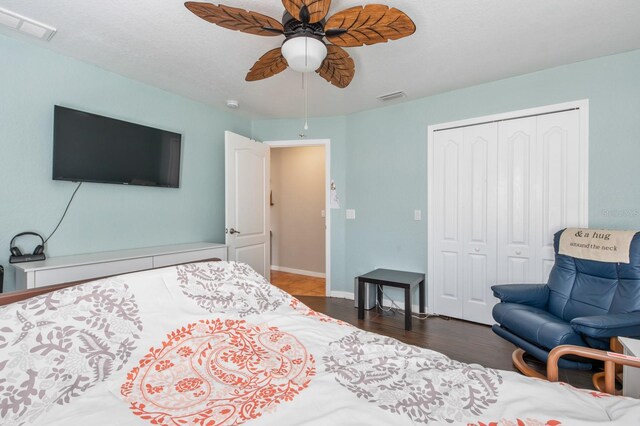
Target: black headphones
{"type": "Point", "coordinates": [16, 254]}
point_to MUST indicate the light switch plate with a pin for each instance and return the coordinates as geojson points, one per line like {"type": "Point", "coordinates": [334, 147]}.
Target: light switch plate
{"type": "Point", "coordinates": [417, 215]}
{"type": "Point", "coordinates": [351, 214]}
{"type": "Point", "coordinates": [323, 213]}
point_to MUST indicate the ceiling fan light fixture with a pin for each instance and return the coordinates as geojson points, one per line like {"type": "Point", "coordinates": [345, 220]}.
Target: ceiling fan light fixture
{"type": "Point", "coordinates": [305, 26]}
{"type": "Point", "coordinates": [304, 54]}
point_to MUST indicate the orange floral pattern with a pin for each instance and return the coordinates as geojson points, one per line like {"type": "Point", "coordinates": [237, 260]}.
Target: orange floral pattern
{"type": "Point", "coordinates": [185, 351]}
{"type": "Point", "coordinates": [188, 384]}
{"type": "Point", "coordinates": [163, 365]}
{"type": "Point", "coordinates": [217, 372]}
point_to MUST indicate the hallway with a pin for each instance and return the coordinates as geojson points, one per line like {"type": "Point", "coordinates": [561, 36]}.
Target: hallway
{"type": "Point", "coordinates": [298, 285]}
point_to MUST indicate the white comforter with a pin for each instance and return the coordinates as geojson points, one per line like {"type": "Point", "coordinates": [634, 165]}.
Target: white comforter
{"type": "Point", "coordinates": [215, 344]}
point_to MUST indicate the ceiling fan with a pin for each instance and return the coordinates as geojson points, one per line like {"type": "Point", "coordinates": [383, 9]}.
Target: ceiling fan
{"type": "Point", "coordinates": [305, 28]}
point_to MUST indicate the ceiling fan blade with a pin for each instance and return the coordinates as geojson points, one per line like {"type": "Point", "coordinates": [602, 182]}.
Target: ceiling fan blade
{"type": "Point", "coordinates": [276, 31]}
{"type": "Point", "coordinates": [337, 68]}
{"type": "Point", "coordinates": [236, 19]}
{"type": "Point", "coordinates": [318, 9]}
{"type": "Point", "coordinates": [370, 24]}
{"type": "Point", "coordinates": [269, 64]}
{"type": "Point", "coordinates": [335, 32]}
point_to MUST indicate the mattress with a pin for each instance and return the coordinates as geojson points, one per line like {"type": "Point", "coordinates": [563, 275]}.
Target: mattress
{"type": "Point", "coordinates": [216, 344]}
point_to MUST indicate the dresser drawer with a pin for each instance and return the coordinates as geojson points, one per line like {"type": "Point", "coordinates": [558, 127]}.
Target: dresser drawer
{"type": "Point", "coordinates": [90, 271]}
{"type": "Point", "coordinates": [189, 256]}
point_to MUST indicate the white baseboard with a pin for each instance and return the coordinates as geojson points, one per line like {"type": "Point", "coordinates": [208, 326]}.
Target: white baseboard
{"type": "Point", "coordinates": [342, 295]}
{"type": "Point", "coordinates": [298, 271]}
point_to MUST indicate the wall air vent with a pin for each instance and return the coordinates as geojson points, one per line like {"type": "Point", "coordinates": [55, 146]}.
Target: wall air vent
{"type": "Point", "coordinates": [391, 96]}
{"type": "Point", "coordinates": [25, 25]}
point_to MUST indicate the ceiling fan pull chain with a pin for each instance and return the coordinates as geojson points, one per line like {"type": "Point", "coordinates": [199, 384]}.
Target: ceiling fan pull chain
{"type": "Point", "coordinates": [306, 91]}
{"type": "Point", "coordinates": [306, 102]}
{"type": "Point", "coordinates": [306, 51]}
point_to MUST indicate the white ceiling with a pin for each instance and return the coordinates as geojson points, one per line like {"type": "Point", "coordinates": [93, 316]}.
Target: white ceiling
{"type": "Point", "coordinates": [458, 43]}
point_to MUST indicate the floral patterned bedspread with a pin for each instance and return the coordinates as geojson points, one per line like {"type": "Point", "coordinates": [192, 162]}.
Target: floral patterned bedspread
{"type": "Point", "coordinates": [216, 344]}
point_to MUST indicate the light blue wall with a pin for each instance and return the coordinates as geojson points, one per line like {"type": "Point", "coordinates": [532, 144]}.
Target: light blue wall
{"type": "Point", "coordinates": [102, 217]}
{"type": "Point", "coordinates": [378, 158]}
{"type": "Point", "coordinates": [386, 155]}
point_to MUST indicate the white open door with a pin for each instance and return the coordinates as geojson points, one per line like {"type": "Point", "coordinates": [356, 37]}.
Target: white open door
{"type": "Point", "coordinates": [247, 201]}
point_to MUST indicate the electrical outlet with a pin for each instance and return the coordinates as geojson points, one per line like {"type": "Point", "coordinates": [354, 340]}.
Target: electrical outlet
{"type": "Point", "coordinates": [351, 214]}
{"type": "Point", "coordinates": [417, 215]}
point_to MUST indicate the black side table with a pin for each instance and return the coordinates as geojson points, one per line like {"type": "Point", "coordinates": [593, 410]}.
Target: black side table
{"type": "Point", "coordinates": [400, 279]}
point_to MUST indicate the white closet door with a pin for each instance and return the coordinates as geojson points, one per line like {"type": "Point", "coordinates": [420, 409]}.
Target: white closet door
{"type": "Point", "coordinates": [558, 139]}
{"type": "Point", "coordinates": [518, 195]}
{"type": "Point", "coordinates": [479, 185]}
{"type": "Point", "coordinates": [448, 148]}
{"type": "Point", "coordinates": [539, 192]}
{"type": "Point", "coordinates": [465, 223]}
{"type": "Point", "coordinates": [500, 191]}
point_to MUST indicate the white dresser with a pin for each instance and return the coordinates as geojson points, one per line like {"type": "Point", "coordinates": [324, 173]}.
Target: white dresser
{"type": "Point", "coordinates": [631, 375]}
{"type": "Point", "coordinates": [63, 269]}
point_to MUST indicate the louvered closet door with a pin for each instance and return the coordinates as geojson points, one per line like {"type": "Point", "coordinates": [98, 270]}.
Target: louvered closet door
{"type": "Point", "coordinates": [465, 223]}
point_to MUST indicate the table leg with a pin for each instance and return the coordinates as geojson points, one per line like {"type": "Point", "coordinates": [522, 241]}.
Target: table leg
{"type": "Point", "coordinates": [379, 292]}
{"type": "Point", "coordinates": [360, 298]}
{"type": "Point", "coordinates": [407, 308]}
{"type": "Point", "coordinates": [421, 289]}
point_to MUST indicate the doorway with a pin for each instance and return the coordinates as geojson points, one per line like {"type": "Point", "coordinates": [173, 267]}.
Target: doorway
{"type": "Point", "coordinates": [299, 216]}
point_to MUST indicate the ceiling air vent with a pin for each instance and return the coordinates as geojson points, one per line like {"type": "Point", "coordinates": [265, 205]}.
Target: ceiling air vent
{"type": "Point", "coordinates": [26, 25]}
{"type": "Point", "coordinates": [391, 96]}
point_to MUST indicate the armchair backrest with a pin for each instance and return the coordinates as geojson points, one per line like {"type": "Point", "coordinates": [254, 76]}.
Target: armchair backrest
{"type": "Point", "coordinates": [580, 287]}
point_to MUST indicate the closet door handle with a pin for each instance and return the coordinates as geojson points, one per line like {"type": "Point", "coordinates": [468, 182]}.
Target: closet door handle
{"type": "Point", "coordinates": [233, 231]}
{"type": "Point", "coordinates": [518, 252]}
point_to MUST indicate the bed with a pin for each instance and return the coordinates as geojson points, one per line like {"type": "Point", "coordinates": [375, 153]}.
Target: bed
{"type": "Point", "coordinates": [215, 344]}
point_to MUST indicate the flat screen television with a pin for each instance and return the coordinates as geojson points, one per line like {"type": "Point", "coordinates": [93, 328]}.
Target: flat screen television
{"type": "Point", "coordinates": [92, 148]}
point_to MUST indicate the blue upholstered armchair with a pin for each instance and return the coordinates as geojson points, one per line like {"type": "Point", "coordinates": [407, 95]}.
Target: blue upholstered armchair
{"type": "Point", "coordinates": [584, 303]}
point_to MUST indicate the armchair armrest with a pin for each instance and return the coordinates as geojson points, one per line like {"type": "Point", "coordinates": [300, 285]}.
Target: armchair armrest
{"type": "Point", "coordinates": [601, 326]}
{"type": "Point", "coordinates": [610, 360]}
{"type": "Point", "coordinates": [536, 295]}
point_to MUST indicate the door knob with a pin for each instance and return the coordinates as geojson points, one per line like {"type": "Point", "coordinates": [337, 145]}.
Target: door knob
{"type": "Point", "coordinates": [518, 251]}
{"type": "Point", "coordinates": [233, 231]}
{"type": "Point", "coordinates": [477, 249]}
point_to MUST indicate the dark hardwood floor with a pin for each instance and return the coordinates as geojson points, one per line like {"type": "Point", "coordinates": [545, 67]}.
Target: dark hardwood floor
{"type": "Point", "coordinates": [461, 340]}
